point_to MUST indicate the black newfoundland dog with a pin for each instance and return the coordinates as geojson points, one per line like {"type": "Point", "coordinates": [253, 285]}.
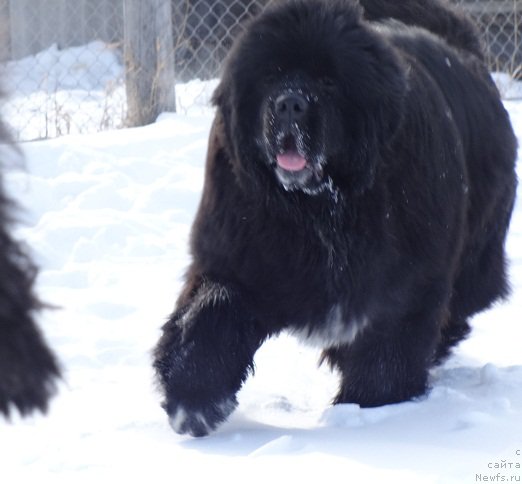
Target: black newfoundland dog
{"type": "Point", "coordinates": [28, 368]}
{"type": "Point", "coordinates": [359, 185]}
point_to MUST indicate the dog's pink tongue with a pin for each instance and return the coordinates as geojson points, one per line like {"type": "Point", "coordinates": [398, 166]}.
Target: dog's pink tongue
{"type": "Point", "coordinates": [291, 161]}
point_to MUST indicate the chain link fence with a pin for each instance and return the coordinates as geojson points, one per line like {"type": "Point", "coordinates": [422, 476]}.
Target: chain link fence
{"type": "Point", "coordinates": [66, 62]}
{"type": "Point", "coordinates": [500, 22]}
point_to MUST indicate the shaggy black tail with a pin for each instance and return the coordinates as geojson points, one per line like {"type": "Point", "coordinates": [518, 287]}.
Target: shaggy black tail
{"type": "Point", "coordinates": [436, 16]}
{"type": "Point", "coordinates": [29, 371]}
{"type": "Point", "coordinates": [28, 368]}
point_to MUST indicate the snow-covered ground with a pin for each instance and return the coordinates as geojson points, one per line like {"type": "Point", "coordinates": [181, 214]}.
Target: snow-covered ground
{"type": "Point", "coordinates": [76, 91]}
{"type": "Point", "coordinates": [107, 216]}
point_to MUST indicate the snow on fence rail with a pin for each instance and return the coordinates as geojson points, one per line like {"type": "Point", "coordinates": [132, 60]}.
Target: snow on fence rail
{"type": "Point", "coordinates": [84, 66]}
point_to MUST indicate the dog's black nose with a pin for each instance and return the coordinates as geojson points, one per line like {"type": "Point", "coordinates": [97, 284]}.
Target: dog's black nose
{"type": "Point", "coordinates": [290, 107]}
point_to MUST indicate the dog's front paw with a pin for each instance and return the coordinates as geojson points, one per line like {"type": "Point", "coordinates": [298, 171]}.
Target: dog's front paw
{"type": "Point", "coordinates": [199, 421]}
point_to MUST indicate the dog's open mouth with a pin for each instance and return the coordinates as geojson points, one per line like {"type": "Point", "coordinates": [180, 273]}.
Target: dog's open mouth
{"type": "Point", "coordinates": [296, 170]}
{"type": "Point", "coordinates": [290, 159]}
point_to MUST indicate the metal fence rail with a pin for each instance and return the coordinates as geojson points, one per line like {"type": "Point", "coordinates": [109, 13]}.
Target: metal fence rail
{"type": "Point", "coordinates": [67, 61]}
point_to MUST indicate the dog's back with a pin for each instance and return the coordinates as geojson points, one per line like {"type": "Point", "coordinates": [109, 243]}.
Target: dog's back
{"type": "Point", "coordinates": [436, 16]}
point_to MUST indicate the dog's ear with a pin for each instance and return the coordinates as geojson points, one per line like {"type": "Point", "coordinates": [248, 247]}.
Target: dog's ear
{"type": "Point", "coordinates": [218, 95]}
{"type": "Point", "coordinates": [221, 99]}
{"type": "Point", "coordinates": [217, 139]}
{"type": "Point", "coordinates": [387, 92]}
{"type": "Point", "coordinates": [377, 99]}
{"type": "Point", "coordinates": [226, 130]}
{"type": "Point", "coordinates": [229, 143]}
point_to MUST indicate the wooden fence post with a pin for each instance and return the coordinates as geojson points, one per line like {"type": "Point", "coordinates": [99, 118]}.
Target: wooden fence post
{"type": "Point", "coordinates": [149, 60]}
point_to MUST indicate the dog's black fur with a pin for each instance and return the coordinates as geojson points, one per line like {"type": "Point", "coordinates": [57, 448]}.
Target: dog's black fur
{"type": "Point", "coordinates": [28, 369]}
{"type": "Point", "coordinates": [383, 243]}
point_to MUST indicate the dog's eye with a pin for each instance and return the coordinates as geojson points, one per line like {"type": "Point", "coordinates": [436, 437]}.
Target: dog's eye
{"type": "Point", "coordinates": [269, 80]}
{"type": "Point", "coordinates": [327, 82]}
{"type": "Point", "coordinates": [271, 77]}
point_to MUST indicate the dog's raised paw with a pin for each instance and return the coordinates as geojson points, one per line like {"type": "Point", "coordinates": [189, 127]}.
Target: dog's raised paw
{"type": "Point", "coordinates": [199, 421]}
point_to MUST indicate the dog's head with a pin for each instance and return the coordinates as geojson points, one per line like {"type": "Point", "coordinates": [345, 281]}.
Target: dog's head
{"type": "Point", "coordinates": [310, 94]}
